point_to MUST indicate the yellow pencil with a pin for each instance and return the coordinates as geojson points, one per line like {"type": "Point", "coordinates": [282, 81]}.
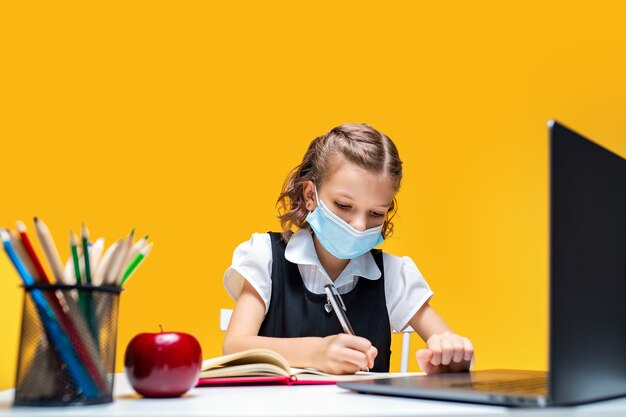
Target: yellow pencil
{"type": "Point", "coordinates": [103, 265]}
{"type": "Point", "coordinates": [50, 250]}
{"type": "Point", "coordinates": [117, 267]}
{"type": "Point", "coordinates": [134, 250]}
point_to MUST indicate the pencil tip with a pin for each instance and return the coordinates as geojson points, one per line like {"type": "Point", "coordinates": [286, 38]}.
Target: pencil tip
{"type": "Point", "coordinates": [147, 249]}
{"type": "Point", "coordinates": [132, 232]}
{"type": "Point", "coordinates": [146, 238]}
{"type": "Point", "coordinates": [21, 227]}
{"type": "Point", "coordinates": [36, 219]}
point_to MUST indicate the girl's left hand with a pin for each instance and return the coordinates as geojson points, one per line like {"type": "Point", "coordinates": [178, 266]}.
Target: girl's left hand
{"type": "Point", "coordinates": [446, 352]}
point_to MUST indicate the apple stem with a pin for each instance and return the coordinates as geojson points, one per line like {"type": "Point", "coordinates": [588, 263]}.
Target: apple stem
{"type": "Point", "coordinates": [161, 328]}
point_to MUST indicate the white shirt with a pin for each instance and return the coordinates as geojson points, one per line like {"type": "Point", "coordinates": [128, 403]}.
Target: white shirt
{"type": "Point", "coordinates": [406, 291]}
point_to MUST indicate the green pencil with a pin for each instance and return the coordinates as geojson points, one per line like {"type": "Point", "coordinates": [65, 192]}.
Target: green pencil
{"type": "Point", "coordinates": [74, 249]}
{"type": "Point", "coordinates": [81, 298]}
{"type": "Point", "coordinates": [85, 234]}
{"type": "Point", "coordinates": [91, 308]}
{"type": "Point", "coordinates": [132, 266]}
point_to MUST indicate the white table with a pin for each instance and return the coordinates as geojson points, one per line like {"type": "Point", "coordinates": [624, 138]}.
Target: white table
{"type": "Point", "coordinates": [320, 400]}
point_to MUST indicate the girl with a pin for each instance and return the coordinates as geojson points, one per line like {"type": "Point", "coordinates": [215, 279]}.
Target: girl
{"type": "Point", "coordinates": [341, 199]}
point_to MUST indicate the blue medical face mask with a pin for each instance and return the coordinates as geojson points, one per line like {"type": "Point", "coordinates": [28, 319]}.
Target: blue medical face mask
{"type": "Point", "coordinates": [339, 238]}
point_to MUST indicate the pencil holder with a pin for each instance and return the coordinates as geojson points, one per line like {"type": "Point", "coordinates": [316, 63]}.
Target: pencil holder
{"type": "Point", "coordinates": [67, 345]}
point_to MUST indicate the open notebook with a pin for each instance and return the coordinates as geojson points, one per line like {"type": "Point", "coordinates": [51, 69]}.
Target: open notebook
{"type": "Point", "coordinates": [264, 366]}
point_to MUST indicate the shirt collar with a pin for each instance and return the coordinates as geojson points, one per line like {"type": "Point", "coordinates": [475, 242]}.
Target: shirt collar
{"type": "Point", "coordinates": [301, 250]}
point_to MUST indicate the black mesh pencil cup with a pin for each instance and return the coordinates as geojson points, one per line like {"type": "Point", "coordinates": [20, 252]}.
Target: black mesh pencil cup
{"type": "Point", "coordinates": [67, 345]}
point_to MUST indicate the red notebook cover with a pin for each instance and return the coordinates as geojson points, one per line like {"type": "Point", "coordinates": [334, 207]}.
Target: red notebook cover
{"type": "Point", "coordinates": [260, 380]}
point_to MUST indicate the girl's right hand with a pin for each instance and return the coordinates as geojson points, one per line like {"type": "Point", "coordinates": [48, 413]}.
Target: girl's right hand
{"type": "Point", "coordinates": [345, 354]}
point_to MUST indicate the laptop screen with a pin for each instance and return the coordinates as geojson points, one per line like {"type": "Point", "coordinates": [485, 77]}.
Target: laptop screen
{"type": "Point", "coordinates": [587, 269]}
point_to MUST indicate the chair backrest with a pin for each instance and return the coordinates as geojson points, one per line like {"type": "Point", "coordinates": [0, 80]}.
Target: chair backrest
{"type": "Point", "coordinates": [226, 313]}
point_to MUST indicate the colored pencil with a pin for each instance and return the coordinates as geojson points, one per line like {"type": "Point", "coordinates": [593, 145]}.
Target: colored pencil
{"type": "Point", "coordinates": [74, 250]}
{"type": "Point", "coordinates": [115, 268]}
{"type": "Point", "coordinates": [103, 265]}
{"type": "Point", "coordinates": [82, 299]}
{"type": "Point", "coordinates": [85, 235]}
{"type": "Point", "coordinates": [28, 246]}
{"type": "Point", "coordinates": [95, 252]}
{"type": "Point", "coordinates": [50, 250]}
{"type": "Point", "coordinates": [88, 295]}
{"type": "Point", "coordinates": [128, 247]}
{"type": "Point", "coordinates": [134, 250]}
{"type": "Point", "coordinates": [19, 248]}
{"type": "Point", "coordinates": [130, 269]}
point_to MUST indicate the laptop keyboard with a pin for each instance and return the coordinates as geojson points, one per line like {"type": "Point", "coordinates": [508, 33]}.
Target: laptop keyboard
{"type": "Point", "coordinates": [529, 385]}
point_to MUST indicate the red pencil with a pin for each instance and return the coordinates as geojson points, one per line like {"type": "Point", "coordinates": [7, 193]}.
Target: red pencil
{"type": "Point", "coordinates": [21, 228]}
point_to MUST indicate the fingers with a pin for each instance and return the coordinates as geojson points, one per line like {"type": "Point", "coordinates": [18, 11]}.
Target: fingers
{"type": "Point", "coordinates": [359, 359]}
{"type": "Point", "coordinates": [424, 358]}
{"type": "Point", "coordinates": [354, 342]}
{"type": "Point", "coordinates": [360, 344]}
{"type": "Point", "coordinates": [468, 348]}
{"type": "Point", "coordinates": [352, 353]}
{"type": "Point", "coordinates": [434, 345]}
{"type": "Point", "coordinates": [446, 352]}
{"type": "Point", "coordinates": [458, 349]}
{"type": "Point", "coordinates": [371, 355]}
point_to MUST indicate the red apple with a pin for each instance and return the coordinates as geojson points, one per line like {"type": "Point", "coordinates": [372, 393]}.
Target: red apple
{"type": "Point", "coordinates": [164, 364]}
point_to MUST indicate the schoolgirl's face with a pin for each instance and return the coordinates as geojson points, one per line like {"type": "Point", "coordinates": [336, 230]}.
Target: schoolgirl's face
{"type": "Point", "coordinates": [359, 197]}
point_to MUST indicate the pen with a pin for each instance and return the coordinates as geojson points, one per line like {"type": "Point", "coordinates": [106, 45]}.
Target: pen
{"type": "Point", "coordinates": [340, 309]}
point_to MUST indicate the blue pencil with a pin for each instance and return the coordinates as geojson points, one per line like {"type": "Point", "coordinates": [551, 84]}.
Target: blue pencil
{"type": "Point", "coordinates": [55, 333]}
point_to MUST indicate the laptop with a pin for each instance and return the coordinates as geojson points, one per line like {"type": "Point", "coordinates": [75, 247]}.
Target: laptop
{"type": "Point", "coordinates": [587, 352]}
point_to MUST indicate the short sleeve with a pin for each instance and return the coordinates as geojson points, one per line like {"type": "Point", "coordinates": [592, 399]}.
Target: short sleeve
{"type": "Point", "coordinates": [406, 290]}
{"type": "Point", "coordinates": [253, 260]}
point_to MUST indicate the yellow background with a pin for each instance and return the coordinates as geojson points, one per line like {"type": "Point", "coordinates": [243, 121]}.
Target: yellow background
{"type": "Point", "coordinates": [182, 119]}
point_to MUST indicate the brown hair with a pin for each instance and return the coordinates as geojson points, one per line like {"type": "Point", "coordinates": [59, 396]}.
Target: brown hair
{"type": "Point", "coordinates": [359, 144]}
